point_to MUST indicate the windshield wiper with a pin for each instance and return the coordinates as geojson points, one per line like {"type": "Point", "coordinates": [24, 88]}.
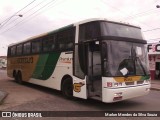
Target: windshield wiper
{"type": "Point", "coordinates": [141, 65]}
{"type": "Point", "coordinates": [135, 58]}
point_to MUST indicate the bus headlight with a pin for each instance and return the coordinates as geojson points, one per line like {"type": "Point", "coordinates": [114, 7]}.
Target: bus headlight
{"type": "Point", "coordinates": [117, 96]}
{"type": "Point", "coordinates": [147, 81]}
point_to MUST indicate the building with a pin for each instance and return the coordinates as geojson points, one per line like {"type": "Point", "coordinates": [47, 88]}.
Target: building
{"type": "Point", "coordinates": [3, 61]}
{"type": "Point", "coordinates": [154, 60]}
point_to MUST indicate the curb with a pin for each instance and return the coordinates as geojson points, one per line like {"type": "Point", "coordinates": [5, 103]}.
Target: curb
{"type": "Point", "coordinates": [157, 89]}
{"type": "Point", "coordinates": [3, 95]}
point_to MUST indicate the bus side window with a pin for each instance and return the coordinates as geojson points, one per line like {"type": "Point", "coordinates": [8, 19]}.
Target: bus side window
{"type": "Point", "coordinates": [13, 50]}
{"type": "Point", "coordinates": [27, 48]}
{"type": "Point", "coordinates": [36, 46]}
{"type": "Point", "coordinates": [66, 38]}
{"type": "Point", "coordinates": [89, 31]}
{"type": "Point", "coordinates": [70, 39]}
{"type": "Point", "coordinates": [61, 40]}
{"type": "Point", "coordinates": [9, 51]}
{"type": "Point", "coordinates": [19, 50]}
{"type": "Point", "coordinates": [49, 43]}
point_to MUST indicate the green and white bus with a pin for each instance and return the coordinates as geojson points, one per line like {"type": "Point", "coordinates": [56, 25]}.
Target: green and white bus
{"type": "Point", "coordinates": [95, 58]}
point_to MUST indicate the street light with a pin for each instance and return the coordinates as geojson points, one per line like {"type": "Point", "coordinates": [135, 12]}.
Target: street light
{"type": "Point", "coordinates": [19, 15]}
{"type": "Point", "coordinates": [158, 6]}
{"type": "Point", "coordinates": [5, 21]}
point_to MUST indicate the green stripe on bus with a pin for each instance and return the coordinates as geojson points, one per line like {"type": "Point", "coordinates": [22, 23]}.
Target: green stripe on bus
{"type": "Point", "coordinates": [145, 77]}
{"type": "Point", "coordinates": [40, 66]}
{"type": "Point", "coordinates": [48, 64]}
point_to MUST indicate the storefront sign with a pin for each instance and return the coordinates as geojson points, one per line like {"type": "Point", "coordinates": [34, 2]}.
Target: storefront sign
{"type": "Point", "coordinates": [153, 48]}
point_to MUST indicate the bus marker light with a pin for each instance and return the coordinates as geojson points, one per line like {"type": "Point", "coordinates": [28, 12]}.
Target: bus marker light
{"type": "Point", "coordinates": [109, 84]}
{"type": "Point", "coordinates": [118, 94]}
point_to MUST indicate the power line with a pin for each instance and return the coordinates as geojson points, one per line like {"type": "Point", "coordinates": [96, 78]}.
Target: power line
{"type": "Point", "coordinates": [5, 21]}
{"type": "Point", "coordinates": [9, 20]}
{"type": "Point", "coordinates": [122, 12]}
{"type": "Point", "coordinates": [154, 39]}
{"type": "Point", "coordinates": [49, 3]}
{"type": "Point", "coordinates": [142, 13]}
{"type": "Point", "coordinates": [151, 11]}
{"type": "Point", "coordinates": [151, 30]}
{"type": "Point", "coordinates": [27, 12]}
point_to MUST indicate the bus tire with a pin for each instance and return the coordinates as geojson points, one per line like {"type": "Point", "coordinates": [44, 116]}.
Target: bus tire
{"type": "Point", "coordinates": [15, 76]}
{"type": "Point", "coordinates": [67, 88]}
{"type": "Point", "coordinates": [19, 77]}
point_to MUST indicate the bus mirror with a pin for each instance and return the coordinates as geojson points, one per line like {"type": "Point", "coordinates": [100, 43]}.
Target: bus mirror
{"type": "Point", "coordinates": [139, 51]}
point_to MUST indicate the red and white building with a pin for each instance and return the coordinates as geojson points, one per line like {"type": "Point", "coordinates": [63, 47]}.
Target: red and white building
{"type": "Point", "coordinates": [154, 60]}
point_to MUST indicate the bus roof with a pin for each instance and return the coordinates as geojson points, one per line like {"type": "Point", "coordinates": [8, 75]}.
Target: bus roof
{"type": "Point", "coordinates": [43, 34]}
{"type": "Point", "coordinates": [107, 20]}
{"type": "Point", "coordinates": [71, 25]}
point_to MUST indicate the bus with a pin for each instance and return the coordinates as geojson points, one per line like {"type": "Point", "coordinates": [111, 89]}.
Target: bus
{"type": "Point", "coordinates": [96, 58]}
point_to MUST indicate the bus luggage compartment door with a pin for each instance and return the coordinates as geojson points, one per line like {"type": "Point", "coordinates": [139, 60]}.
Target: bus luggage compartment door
{"type": "Point", "coordinates": [79, 88]}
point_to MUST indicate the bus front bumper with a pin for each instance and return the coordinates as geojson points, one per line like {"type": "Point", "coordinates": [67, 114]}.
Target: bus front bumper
{"type": "Point", "coordinates": [110, 95]}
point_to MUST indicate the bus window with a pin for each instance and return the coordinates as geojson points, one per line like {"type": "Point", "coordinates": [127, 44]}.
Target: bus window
{"type": "Point", "coordinates": [89, 31]}
{"type": "Point", "coordinates": [27, 48]}
{"type": "Point", "coordinates": [49, 43]}
{"type": "Point", "coordinates": [62, 37]}
{"type": "Point", "coordinates": [13, 50]}
{"type": "Point", "coordinates": [36, 46]}
{"type": "Point", "coordinates": [19, 50]}
{"type": "Point", "coordinates": [77, 63]}
{"type": "Point", "coordinates": [70, 39]}
{"type": "Point", "coordinates": [9, 52]}
{"type": "Point", "coordinates": [66, 38]}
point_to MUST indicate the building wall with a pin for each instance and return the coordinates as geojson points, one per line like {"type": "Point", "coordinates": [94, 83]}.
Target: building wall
{"type": "Point", "coordinates": [154, 60]}
{"type": "Point", "coordinates": [3, 61]}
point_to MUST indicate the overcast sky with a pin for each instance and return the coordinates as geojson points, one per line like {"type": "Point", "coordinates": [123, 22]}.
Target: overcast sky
{"type": "Point", "coordinates": [45, 15]}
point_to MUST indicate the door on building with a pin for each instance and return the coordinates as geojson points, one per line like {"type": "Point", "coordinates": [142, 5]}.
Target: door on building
{"type": "Point", "coordinates": [157, 76]}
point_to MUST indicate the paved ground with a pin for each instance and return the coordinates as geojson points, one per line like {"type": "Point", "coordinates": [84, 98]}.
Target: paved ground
{"type": "Point", "coordinates": [30, 97]}
{"type": "Point", "coordinates": [3, 95]}
{"type": "Point", "coordinates": [17, 94]}
{"type": "Point", "coordinates": [155, 85]}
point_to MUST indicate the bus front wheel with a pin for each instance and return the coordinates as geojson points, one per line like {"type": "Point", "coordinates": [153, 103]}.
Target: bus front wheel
{"type": "Point", "coordinates": [67, 88]}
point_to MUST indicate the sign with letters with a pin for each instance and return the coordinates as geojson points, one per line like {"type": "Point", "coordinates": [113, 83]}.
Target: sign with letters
{"type": "Point", "coordinates": [153, 48]}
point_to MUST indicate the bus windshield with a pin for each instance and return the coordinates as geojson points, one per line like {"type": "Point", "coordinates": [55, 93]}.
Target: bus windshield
{"type": "Point", "coordinates": [119, 30]}
{"type": "Point", "coordinates": [125, 58]}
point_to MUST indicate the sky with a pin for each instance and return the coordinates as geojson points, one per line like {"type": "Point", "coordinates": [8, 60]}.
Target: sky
{"type": "Point", "coordinates": [40, 16]}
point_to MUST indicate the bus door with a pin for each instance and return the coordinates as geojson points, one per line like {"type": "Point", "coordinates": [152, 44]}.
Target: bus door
{"type": "Point", "coordinates": [94, 69]}
{"type": "Point", "coordinates": [79, 72]}
{"type": "Point", "coordinates": [87, 70]}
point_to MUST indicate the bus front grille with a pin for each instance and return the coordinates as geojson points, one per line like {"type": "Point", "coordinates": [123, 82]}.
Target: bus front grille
{"type": "Point", "coordinates": [129, 83]}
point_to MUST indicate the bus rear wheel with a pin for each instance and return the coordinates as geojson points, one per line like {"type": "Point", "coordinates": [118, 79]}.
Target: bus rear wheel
{"type": "Point", "coordinates": [19, 78]}
{"type": "Point", "coordinates": [67, 88]}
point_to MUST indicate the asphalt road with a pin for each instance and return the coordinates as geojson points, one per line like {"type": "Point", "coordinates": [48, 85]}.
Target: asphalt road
{"type": "Point", "coordinates": [29, 97]}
